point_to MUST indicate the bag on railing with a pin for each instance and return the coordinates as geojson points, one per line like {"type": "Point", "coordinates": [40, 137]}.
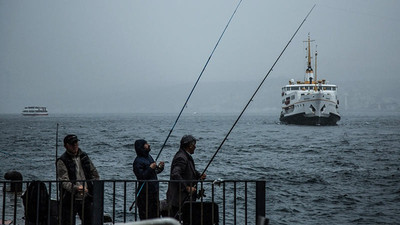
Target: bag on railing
{"type": "Point", "coordinates": [36, 202]}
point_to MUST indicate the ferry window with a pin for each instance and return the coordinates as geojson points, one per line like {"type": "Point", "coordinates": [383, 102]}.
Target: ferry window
{"type": "Point", "coordinates": [292, 97]}
{"type": "Point", "coordinates": [328, 88]}
{"type": "Point", "coordinates": [334, 88]}
{"type": "Point", "coordinates": [295, 88]}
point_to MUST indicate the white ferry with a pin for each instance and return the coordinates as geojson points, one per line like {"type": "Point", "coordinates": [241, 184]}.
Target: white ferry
{"type": "Point", "coordinates": [35, 111]}
{"type": "Point", "coordinates": [310, 102]}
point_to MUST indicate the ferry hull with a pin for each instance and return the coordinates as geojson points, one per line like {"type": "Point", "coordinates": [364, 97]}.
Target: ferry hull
{"type": "Point", "coordinates": [35, 114]}
{"type": "Point", "coordinates": [303, 119]}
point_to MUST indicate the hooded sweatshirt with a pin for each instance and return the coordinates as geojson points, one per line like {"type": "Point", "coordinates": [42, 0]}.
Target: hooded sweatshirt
{"type": "Point", "coordinates": [142, 169]}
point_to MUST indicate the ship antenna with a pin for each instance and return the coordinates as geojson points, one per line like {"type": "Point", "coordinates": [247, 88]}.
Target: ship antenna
{"type": "Point", "coordinates": [184, 105]}
{"type": "Point", "coordinates": [315, 64]}
{"type": "Point", "coordinates": [309, 53]}
{"type": "Point", "coordinates": [259, 86]}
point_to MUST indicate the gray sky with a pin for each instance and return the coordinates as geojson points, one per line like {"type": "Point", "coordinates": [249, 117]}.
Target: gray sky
{"type": "Point", "coordinates": [144, 56]}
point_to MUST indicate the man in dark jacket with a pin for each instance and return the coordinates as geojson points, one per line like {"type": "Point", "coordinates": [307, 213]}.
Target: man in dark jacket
{"type": "Point", "coordinates": [183, 169]}
{"type": "Point", "coordinates": [145, 168]}
{"type": "Point", "coordinates": [73, 167]}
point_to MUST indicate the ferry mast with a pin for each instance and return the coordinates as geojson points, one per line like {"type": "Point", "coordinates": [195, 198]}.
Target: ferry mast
{"type": "Point", "coordinates": [309, 71]}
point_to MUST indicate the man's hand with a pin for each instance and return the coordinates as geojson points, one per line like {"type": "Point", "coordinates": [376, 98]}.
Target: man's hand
{"type": "Point", "coordinates": [153, 165]}
{"type": "Point", "coordinates": [191, 190]}
{"type": "Point", "coordinates": [161, 164]}
{"type": "Point", "coordinates": [80, 190]}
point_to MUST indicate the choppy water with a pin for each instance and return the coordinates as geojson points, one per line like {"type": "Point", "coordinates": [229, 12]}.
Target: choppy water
{"type": "Point", "coordinates": [345, 174]}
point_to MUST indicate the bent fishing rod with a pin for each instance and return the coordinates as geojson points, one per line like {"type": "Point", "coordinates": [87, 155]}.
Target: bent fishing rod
{"type": "Point", "coordinates": [258, 88]}
{"type": "Point", "coordinates": [190, 94]}
{"type": "Point", "coordinates": [248, 103]}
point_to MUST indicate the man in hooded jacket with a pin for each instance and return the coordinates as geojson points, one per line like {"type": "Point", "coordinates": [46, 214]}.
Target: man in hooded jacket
{"type": "Point", "coordinates": [145, 168]}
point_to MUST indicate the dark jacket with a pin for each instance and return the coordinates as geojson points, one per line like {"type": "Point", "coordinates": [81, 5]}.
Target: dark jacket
{"type": "Point", "coordinates": [142, 170]}
{"type": "Point", "coordinates": [182, 168]}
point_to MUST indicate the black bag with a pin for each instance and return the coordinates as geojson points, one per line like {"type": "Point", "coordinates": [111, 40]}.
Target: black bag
{"type": "Point", "coordinates": [36, 203]}
{"type": "Point", "coordinates": [209, 210]}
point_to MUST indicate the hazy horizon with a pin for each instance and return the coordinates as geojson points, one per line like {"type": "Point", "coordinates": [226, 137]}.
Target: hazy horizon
{"type": "Point", "coordinates": [145, 56]}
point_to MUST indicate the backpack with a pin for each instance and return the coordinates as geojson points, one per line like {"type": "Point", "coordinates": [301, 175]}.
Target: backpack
{"type": "Point", "coordinates": [36, 195]}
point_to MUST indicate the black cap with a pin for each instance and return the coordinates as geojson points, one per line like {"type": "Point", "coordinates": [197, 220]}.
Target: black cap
{"type": "Point", "coordinates": [186, 139]}
{"type": "Point", "coordinates": [70, 139]}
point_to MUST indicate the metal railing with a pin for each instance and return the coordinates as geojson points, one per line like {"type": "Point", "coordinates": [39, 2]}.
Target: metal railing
{"type": "Point", "coordinates": [224, 201]}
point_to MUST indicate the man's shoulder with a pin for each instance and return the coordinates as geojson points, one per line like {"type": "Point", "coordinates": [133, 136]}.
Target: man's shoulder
{"type": "Point", "coordinates": [140, 159]}
{"type": "Point", "coordinates": [181, 155]}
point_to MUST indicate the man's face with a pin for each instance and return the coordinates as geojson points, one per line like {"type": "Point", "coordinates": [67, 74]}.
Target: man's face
{"type": "Point", "coordinates": [146, 147]}
{"type": "Point", "coordinates": [72, 147]}
{"type": "Point", "coordinates": [192, 147]}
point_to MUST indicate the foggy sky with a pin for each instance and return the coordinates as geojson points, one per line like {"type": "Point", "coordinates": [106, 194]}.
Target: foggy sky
{"type": "Point", "coordinates": [144, 56]}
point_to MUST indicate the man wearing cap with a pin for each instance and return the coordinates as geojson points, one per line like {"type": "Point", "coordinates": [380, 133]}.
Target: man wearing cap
{"type": "Point", "coordinates": [145, 168]}
{"type": "Point", "coordinates": [72, 167]}
{"type": "Point", "coordinates": [183, 169]}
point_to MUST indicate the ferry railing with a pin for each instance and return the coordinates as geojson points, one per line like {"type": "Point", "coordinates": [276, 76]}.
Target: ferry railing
{"type": "Point", "coordinates": [225, 202]}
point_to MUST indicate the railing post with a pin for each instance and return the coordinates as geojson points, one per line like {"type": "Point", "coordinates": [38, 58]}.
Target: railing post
{"type": "Point", "coordinates": [260, 200]}
{"type": "Point", "coordinates": [98, 202]}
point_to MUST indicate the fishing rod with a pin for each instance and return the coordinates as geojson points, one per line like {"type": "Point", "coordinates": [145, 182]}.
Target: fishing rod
{"type": "Point", "coordinates": [259, 86]}
{"type": "Point", "coordinates": [248, 103]}
{"type": "Point", "coordinates": [56, 160]}
{"type": "Point", "coordinates": [191, 92]}
{"type": "Point", "coordinates": [208, 60]}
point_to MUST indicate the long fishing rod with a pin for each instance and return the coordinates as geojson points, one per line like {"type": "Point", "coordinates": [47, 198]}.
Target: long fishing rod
{"type": "Point", "coordinates": [259, 86]}
{"type": "Point", "coordinates": [191, 92]}
{"type": "Point", "coordinates": [248, 103]}
{"type": "Point", "coordinates": [208, 60]}
{"type": "Point", "coordinates": [56, 159]}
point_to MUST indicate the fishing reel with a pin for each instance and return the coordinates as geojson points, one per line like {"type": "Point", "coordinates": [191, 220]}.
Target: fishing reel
{"type": "Point", "coordinates": [201, 194]}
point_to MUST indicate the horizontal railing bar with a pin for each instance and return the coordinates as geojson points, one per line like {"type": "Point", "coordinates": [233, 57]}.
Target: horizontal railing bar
{"type": "Point", "coordinates": [109, 180]}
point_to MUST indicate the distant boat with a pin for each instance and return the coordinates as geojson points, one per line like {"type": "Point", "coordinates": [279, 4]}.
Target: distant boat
{"type": "Point", "coordinates": [310, 102]}
{"type": "Point", "coordinates": [35, 111]}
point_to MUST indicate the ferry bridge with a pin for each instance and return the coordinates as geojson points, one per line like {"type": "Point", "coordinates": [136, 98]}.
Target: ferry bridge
{"type": "Point", "coordinates": [224, 202]}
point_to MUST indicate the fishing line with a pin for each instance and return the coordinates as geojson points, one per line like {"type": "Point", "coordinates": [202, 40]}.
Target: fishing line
{"type": "Point", "coordinates": [191, 92]}
{"type": "Point", "coordinates": [259, 86]}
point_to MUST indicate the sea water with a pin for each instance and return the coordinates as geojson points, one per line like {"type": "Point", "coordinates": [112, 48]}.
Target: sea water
{"type": "Point", "coordinates": [344, 174]}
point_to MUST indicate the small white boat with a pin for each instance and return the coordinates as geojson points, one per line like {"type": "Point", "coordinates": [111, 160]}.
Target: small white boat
{"type": "Point", "coordinates": [35, 111]}
{"type": "Point", "coordinates": [310, 102]}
